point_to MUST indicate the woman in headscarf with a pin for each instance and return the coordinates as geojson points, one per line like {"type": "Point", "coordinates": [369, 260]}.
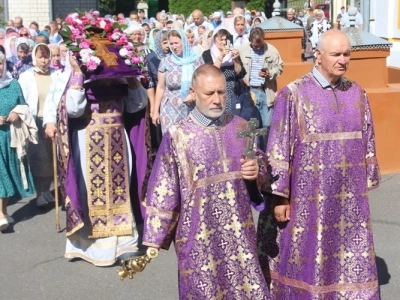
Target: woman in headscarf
{"type": "Point", "coordinates": [174, 79]}
{"type": "Point", "coordinates": [228, 61]}
{"type": "Point", "coordinates": [239, 31]}
{"type": "Point", "coordinates": [9, 46]}
{"type": "Point", "coordinates": [35, 84]}
{"type": "Point", "coordinates": [257, 21]}
{"type": "Point", "coordinates": [152, 34]}
{"type": "Point", "coordinates": [147, 28]}
{"type": "Point", "coordinates": [22, 60]}
{"type": "Point", "coordinates": [206, 40]}
{"type": "Point", "coordinates": [190, 37]}
{"type": "Point", "coordinates": [24, 33]}
{"type": "Point", "coordinates": [318, 27]}
{"type": "Point", "coordinates": [11, 173]}
{"type": "Point", "coordinates": [153, 60]}
{"type": "Point", "coordinates": [55, 57]}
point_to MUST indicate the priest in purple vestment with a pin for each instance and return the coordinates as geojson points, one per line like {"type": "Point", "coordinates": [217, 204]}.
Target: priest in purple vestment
{"type": "Point", "coordinates": [198, 197]}
{"type": "Point", "coordinates": [321, 150]}
{"type": "Point", "coordinates": [104, 148]}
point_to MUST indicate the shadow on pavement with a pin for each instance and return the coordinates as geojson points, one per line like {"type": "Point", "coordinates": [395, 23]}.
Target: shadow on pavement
{"type": "Point", "coordinates": [383, 271]}
{"type": "Point", "coordinates": [27, 211]}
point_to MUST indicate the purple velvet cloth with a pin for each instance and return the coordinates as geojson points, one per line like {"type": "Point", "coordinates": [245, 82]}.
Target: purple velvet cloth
{"type": "Point", "coordinates": [104, 72]}
{"type": "Point", "coordinates": [69, 186]}
{"type": "Point", "coordinates": [97, 93]}
{"type": "Point", "coordinates": [138, 131]}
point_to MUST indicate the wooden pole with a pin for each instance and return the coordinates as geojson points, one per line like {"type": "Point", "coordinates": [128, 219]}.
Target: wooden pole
{"type": "Point", "coordinates": [58, 228]}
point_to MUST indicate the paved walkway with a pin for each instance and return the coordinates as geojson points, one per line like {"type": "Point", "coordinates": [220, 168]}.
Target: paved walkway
{"type": "Point", "coordinates": [32, 264]}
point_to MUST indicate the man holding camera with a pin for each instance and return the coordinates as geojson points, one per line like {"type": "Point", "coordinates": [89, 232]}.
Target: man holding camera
{"type": "Point", "coordinates": [263, 65]}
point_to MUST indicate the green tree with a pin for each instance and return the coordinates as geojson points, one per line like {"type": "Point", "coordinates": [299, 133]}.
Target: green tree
{"type": "Point", "coordinates": [206, 6]}
{"type": "Point", "coordinates": [2, 22]}
{"type": "Point", "coordinates": [107, 7]}
{"type": "Point", "coordinates": [258, 5]}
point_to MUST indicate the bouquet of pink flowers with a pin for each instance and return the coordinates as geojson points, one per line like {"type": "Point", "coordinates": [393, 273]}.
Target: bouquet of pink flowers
{"type": "Point", "coordinates": [81, 26]}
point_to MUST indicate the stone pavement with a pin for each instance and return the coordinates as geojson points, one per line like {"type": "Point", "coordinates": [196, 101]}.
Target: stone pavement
{"type": "Point", "coordinates": [33, 267]}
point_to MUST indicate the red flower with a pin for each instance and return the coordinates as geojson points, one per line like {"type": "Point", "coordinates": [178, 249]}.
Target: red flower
{"type": "Point", "coordinates": [108, 27]}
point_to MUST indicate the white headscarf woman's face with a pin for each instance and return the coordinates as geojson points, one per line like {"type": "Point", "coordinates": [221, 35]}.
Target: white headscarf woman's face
{"type": "Point", "coordinates": [240, 24]}
{"type": "Point", "coordinates": [41, 59]}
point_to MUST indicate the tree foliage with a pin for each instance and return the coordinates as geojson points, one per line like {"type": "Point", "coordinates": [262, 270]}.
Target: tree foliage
{"type": "Point", "coordinates": [206, 6]}
{"type": "Point", "coordinates": [2, 22]}
{"type": "Point", "coordinates": [258, 5]}
{"type": "Point", "coordinates": [107, 7]}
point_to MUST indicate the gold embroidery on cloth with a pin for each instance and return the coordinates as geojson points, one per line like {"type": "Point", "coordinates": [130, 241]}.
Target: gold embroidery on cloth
{"type": "Point", "coordinates": [337, 287]}
{"type": "Point", "coordinates": [162, 213]}
{"type": "Point", "coordinates": [279, 163]}
{"type": "Point", "coordinates": [100, 187]}
{"type": "Point", "coordinates": [76, 228]}
{"type": "Point", "coordinates": [316, 137]}
{"type": "Point", "coordinates": [215, 179]}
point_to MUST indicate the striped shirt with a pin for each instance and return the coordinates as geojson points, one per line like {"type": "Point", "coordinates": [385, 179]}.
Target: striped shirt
{"type": "Point", "coordinates": [205, 121]}
{"type": "Point", "coordinates": [256, 66]}
{"type": "Point", "coordinates": [321, 79]}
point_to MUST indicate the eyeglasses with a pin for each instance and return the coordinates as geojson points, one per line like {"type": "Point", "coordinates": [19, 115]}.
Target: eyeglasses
{"type": "Point", "coordinates": [24, 35]}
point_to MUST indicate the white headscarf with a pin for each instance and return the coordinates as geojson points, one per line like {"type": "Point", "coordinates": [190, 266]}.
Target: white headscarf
{"type": "Point", "coordinates": [10, 49]}
{"type": "Point", "coordinates": [35, 67]}
{"type": "Point", "coordinates": [5, 79]}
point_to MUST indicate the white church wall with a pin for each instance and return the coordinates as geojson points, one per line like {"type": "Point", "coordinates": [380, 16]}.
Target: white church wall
{"type": "Point", "coordinates": [30, 10]}
{"type": "Point", "coordinates": [385, 16]}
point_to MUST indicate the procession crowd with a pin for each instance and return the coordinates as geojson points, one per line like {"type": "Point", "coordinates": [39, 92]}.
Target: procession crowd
{"type": "Point", "coordinates": [149, 153]}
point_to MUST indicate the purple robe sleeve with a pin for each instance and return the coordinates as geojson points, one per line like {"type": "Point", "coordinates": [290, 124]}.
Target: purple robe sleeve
{"type": "Point", "coordinates": [281, 142]}
{"type": "Point", "coordinates": [373, 174]}
{"type": "Point", "coordinates": [163, 197]}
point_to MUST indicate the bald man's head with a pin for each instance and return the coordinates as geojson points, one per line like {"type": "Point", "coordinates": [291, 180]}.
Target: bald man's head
{"type": "Point", "coordinates": [197, 16]}
{"type": "Point", "coordinates": [209, 91]}
{"type": "Point", "coordinates": [238, 11]}
{"type": "Point", "coordinates": [333, 55]}
{"type": "Point", "coordinates": [206, 70]}
{"type": "Point", "coordinates": [329, 37]}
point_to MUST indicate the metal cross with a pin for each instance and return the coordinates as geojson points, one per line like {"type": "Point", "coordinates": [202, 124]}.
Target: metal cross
{"type": "Point", "coordinates": [251, 133]}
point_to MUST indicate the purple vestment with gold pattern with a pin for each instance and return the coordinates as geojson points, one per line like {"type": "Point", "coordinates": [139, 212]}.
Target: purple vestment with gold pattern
{"type": "Point", "coordinates": [197, 198]}
{"type": "Point", "coordinates": [321, 150]}
{"type": "Point", "coordinates": [104, 162]}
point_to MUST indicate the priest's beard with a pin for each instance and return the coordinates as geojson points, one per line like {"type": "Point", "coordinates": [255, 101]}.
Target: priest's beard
{"type": "Point", "coordinates": [212, 111]}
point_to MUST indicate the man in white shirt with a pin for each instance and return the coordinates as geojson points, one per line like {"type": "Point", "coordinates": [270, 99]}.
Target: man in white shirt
{"type": "Point", "coordinates": [345, 21]}
{"type": "Point", "coordinates": [198, 19]}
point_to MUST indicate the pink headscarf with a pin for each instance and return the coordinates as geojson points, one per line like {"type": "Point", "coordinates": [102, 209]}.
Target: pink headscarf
{"type": "Point", "coordinates": [215, 52]}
